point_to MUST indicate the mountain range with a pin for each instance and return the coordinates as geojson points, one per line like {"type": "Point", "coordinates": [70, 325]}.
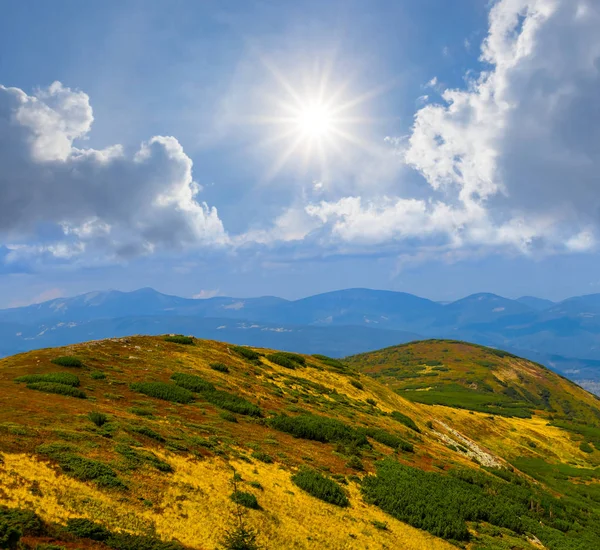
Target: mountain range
{"type": "Point", "coordinates": [563, 335]}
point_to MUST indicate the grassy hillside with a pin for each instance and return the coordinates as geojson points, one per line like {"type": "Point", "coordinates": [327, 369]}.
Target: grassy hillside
{"type": "Point", "coordinates": [164, 443]}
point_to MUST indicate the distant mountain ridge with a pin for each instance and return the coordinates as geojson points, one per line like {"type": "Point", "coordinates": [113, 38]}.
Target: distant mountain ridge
{"type": "Point", "coordinates": [563, 335]}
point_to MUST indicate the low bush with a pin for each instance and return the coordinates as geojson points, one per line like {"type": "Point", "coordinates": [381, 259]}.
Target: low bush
{"type": "Point", "coordinates": [229, 417]}
{"type": "Point", "coordinates": [9, 536]}
{"type": "Point", "coordinates": [356, 384]}
{"type": "Point", "coordinates": [148, 432]}
{"type": "Point", "coordinates": [406, 420]}
{"type": "Point", "coordinates": [97, 375]}
{"type": "Point", "coordinates": [371, 402]}
{"type": "Point", "coordinates": [329, 361]}
{"type": "Point", "coordinates": [140, 411]}
{"type": "Point", "coordinates": [98, 418]}
{"type": "Point", "coordinates": [262, 456]}
{"type": "Point", "coordinates": [162, 390]}
{"type": "Point", "coordinates": [321, 487]}
{"type": "Point", "coordinates": [136, 458]}
{"type": "Point", "coordinates": [586, 447]}
{"type": "Point", "coordinates": [60, 389]}
{"type": "Point", "coordinates": [318, 428]}
{"type": "Point", "coordinates": [245, 499]}
{"type": "Point", "coordinates": [293, 357]}
{"type": "Point", "coordinates": [219, 367]}
{"type": "Point", "coordinates": [355, 463]}
{"type": "Point", "coordinates": [246, 353]}
{"type": "Point", "coordinates": [67, 361]}
{"type": "Point", "coordinates": [26, 521]}
{"type": "Point", "coordinates": [65, 378]}
{"type": "Point", "coordinates": [180, 339]}
{"type": "Point", "coordinates": [282, 360]}
{"type": "Point", "coordinates": [192, 382]}
{"type": "Point", "coordinates": [389, 440]}
{"type": "Point", "coordinates": [232, 402]}
{"type": "Point", "coordinates": [86, 529]}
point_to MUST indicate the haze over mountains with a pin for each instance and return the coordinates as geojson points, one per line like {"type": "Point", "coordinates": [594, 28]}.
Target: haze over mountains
{"type": "Point", "coordinates": [564, 335]}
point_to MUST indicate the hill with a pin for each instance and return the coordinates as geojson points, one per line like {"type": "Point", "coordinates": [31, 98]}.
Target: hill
{"type": "Point", "coordinates": [158, 442]}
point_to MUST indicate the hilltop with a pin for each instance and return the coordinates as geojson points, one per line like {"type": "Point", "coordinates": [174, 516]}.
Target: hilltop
{"type": "Point", "coordinates": [148, 443]}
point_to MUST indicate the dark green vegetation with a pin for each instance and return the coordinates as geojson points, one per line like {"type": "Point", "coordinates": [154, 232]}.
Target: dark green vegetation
{"type": "Point", "coordinates": [246, 353]}
{"type": "Point", "coordinates": [219, 367]}
{"type": "Point", "coordinates": [321, 487]}
{"type": "Point", "coordinates": [180, 339]}
{"type": "Point", "coordinates": [224, 400]}
{"type": "Point", "coordinates": [443, 504]}
{"type": "Point", "coordinates": [162, 390]}
{"type": "Point", "coordinates": [84, 469]}
{"type": "Point", "coordinates": [245, 499]}
{"type": "Point", "coordinates": [390, 440]}
{"type": "Point", "coordinates": [98, 418]}
{"type": "Point", "coordinates": [283, 360]}
{"type": "Point", "coordinates": [65, 378]}
{"type": "Point", "coordinates": [85, 529]}
{"type": "Point", "coordinates": [68, 361]}
{"type": "Point", "coordinates": [406, 420]}
{"type": "Point", "coordinates": [59, 389]}
{"type": "Point", "coordinates": [330, 361]}
{"type": "Point", "coordinates": [318, 428]}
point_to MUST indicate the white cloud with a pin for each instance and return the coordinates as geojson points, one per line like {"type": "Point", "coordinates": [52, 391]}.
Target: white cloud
{"type": "Point", "coordinates": [206, 293]}
{"type": "Point", "coordinates": [60, 199]}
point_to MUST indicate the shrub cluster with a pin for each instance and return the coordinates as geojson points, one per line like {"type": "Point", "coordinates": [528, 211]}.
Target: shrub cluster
{"type": "Point", "coordinates": [296, 358]}
{"type": "Point", "coordinates": [162, 390]}
{"type": "Point", "coordinates": [98, 418]}
{"type": "Point", "coordinates": [246, 353]}
{"type": "Point", "coordinates": [318, 428]}
{"type": "Point", "coordinates": [220, 367]}
{"type": "Point", "coordinates": [388, 439]}
{"type": "Point", "coordinates": [245, 499]}
{"type": "Point", "coordinates": [229, 417]}
{"type": "Point", "coordinates": [180, 339]}
{"type": "Point", "coordinates": [67, 361]}
{"type": "Point", "coordinates": [84, 469]}
{"type": "Point", "coordinates": [60, 389]}
{"type": "Point", "coordinates": [224, 400]}
{"type": "Point", "coordinates": [321, 487]}
{"type": "Point", "coordinates": [356, 384]}
{"type": "Point", "coordinates": [406, 420]}
{"type": "Point", "coordinates": [137, 458]}
{"type": "Point", "coordinates": [97, 375]}
{"type": "Point", "coordinates": [329, 361]}
{"type": "Point", "coordinates": [262, 456]}
{"type": "Point", "coordinates": [282, 360]}
{"type": "Point", "coordinates": [148, 432]}
{"type": "Point", "coordinates": [84, 528]}
{"type": "Point", "coordinates": [65, 378]}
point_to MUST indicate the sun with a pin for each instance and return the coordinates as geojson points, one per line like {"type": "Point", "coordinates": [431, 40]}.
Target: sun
{"type": "Point", "coordinates": [315, 120]}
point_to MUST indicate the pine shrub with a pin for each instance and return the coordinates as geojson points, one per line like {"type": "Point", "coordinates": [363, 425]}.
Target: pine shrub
{"type": "Point", "coordinates": [321, 487]}
{"type": "Point", "coordinates": [180, 339]}
{"type": "Point", "coordinates": [318, 428]}
{"type": "Point", "coordinates": [98, 418]}
{"type": "Point", "coordinates": [65, 378]}
{"type": "Point", "coordinates": [67, 361]}
{"type": "Point", "coordinates": [60, 389]}
{"type": "Point", "coordinates": [406, 420]}
{"type": "Point", "coordinates": [245, 499]}
{"type": "Point", "coordinates": [162, 390]}
{"type": "Point", "coordinates": [220, 367]}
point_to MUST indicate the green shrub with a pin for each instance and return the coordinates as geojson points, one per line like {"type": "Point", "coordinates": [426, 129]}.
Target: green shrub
{"type": "Point", "coordinates": [226, 415]}
{"type": "Point", "coordinates": [140, 411]}
{"type": "Point", "coordinates": [318, 428]}
{"type": "Point", "coordinates": [321, 487]}
{"type": "Point", "coordinates": [192, 382]}
{"type": "Point", "coordinates": [246, 353]}
{"type": "Point", "coordinates": [329, 361]}
{"type": "Point", "coordinates": [406, 420]}
{"type": "Point", "coordinates": [162, 390]}
{"type": "Point", "coordinates": [98, 418]}
{"type": "Point", "coordinates": [371, 402]}
{"type": "Point", "coordinates": [255, 484]}
{"type": "Point", "coordinates": [60, 389]}
{"type": "Point", "coordinates": [136, 458]}
{"type": "Point", "coordinates": [9, 536]}
{"type": "Point", "coordinates": [245, 499]}
{"type": "Point", "coordinates": [586, 447]}
{"type": "Point", "coordinates": [180, 339]}
{"type": "Point", "coordinates": [86, 529]}
{"type": "Point", "coordinates": [388, 439]}
{"type": "Point", "coordinates": [355, 463]}
{"type": "Point", "coordinates": [65, 378]}
{"type": "Point", "coordinates": [26, 521]}
{"type": "Point", "coordinates": [241, 537]}
{"type": "Point", "coordinates": [97, 375]}
{"type": "Point", "coordinates": [67, 361]}
{"type": "Point", "coordinates": [356, 384]}
{"type": "Point", "coordinates": [293, 357]}
{"type": "Point", "coordinates": [220, 367]}
{"type": "Point", "coordinates": [232, 402]}
{"type": "Point", "coordinates": [262, 456]}
{"type": "Point", "coordinates": [282, 360]}
{"type": "Point", "coordinates": [381, 525]}
{"type": "Point", "coordinates": [148, 432]}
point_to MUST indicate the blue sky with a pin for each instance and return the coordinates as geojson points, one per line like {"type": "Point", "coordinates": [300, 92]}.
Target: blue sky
{"type": "Point", "coordinates": [451, 149]}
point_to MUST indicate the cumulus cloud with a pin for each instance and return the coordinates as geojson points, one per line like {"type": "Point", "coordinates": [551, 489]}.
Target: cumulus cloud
{"type": "Point", "coordinates": [510, 161]}
{"type": "Point", "coordinates": [63, 200]}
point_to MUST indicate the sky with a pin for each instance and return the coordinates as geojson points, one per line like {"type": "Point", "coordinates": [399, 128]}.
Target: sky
{"type": "Point", "coordinates": [276, 147]}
